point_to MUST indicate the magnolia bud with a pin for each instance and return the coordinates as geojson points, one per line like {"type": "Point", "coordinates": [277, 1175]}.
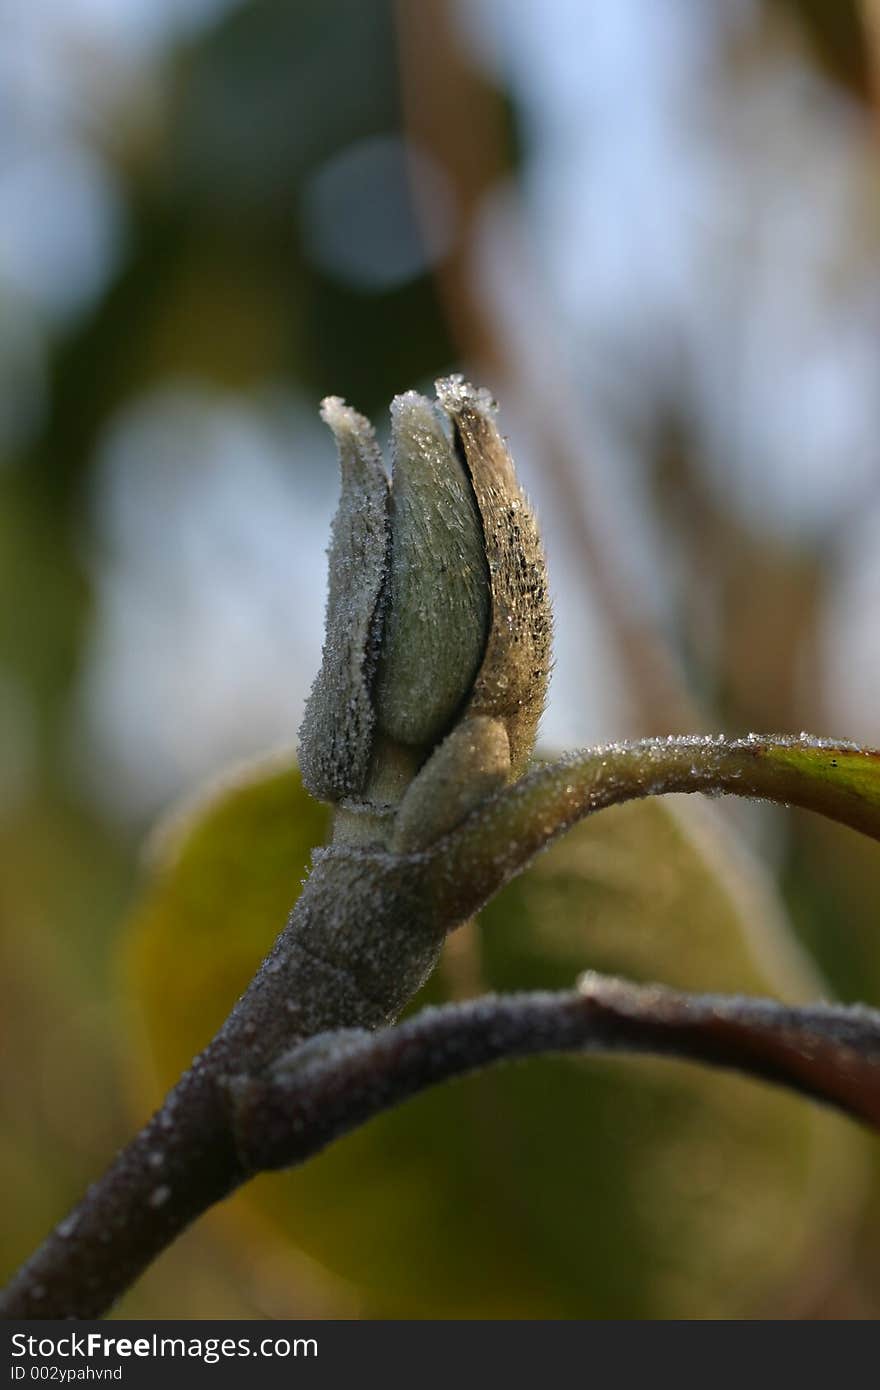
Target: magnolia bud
{"type": "Point", "coordinates": [512, 681]}
{"type": "Point", "coordinates": [437, 650]}
{"type": "Point", "coordinates": [336, 736]}
{"type": "Point", "coordinates": [438, 597]}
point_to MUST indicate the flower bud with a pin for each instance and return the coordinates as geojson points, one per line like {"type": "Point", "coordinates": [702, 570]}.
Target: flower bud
{"type": "Point", "coordinates": [511, 684]}
{"type": "Point", "coordinates": [336, 736]}
{"type": "Point", "coordinates": [437, 614]}
{"type": "Point", "coordinates": [438, 597]}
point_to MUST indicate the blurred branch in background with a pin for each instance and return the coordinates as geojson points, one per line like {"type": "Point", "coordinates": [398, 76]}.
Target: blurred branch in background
{"type": "Point", "coordinates": [453, 112]}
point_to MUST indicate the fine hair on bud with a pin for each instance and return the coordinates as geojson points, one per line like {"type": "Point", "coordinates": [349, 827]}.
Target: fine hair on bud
{"type": "Point", "coordinates": [437, 650]}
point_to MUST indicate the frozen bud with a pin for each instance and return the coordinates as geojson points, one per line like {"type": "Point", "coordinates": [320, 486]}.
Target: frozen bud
{"type": "Point", "coordinates": [470, 765]}
{"type": "Point", "coordinates": [511, 684]}
{"type": "Point", "coordinates": [438, 614]}
{"type": "Point", "coordinates": [438, 609]}
{"type": "Point", "coordinates": [336, 737]}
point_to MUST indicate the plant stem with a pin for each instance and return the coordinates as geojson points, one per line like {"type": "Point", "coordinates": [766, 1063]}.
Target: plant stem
{"type": "Point", "coordinates": [340, 962]}
{"type": "Point", "coordinates": [836, 779]}
{"type": "Point", "coordinates": [828, 1052]}
{"type": "Point", "coordinates": [364, 935]}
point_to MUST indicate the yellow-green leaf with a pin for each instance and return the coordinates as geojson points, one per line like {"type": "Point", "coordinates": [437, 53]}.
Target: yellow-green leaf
{"type": "Point", "coordinates": [222, 876]}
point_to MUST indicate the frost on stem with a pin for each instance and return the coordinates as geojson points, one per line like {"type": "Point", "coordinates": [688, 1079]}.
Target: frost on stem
{"type": "Point", "coordinates": [437, 648]}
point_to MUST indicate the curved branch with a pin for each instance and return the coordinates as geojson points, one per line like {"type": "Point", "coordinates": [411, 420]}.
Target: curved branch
{"type": "Point", "coordinates": [332, 1084]}
{"type": "Point", "coordinates": [837, 779]}
{"type": "Point", "coordinates": [364, 935]}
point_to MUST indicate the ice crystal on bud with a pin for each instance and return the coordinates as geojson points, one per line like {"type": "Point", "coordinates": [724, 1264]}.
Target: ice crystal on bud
{"type": "Point", "coordinates": [437, 650]}
{"type": "Point", "coordinates": [512, 682]}
{"type": "Point", "coordinates": [437, 616]}
{"type": "Point", "coordinates": [336, 736]}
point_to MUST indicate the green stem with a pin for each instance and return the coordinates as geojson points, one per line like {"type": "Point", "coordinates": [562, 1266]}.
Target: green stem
{"type": "Point", "coordinates": [839, 780]}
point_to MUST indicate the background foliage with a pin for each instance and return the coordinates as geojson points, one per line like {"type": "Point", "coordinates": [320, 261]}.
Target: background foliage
{"type": "Point", "coordinates": [652, 229]}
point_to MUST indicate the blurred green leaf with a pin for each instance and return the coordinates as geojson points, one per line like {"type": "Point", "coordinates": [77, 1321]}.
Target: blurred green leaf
{"type": "Point", "coordinates": [63, 885]}
{"type": "Point", "coordinates": [224, 872]}
{"type": "Point", "coordinates": [559, 1187]}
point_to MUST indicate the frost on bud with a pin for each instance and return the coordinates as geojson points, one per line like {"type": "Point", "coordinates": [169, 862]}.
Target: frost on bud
{"type": "Point", "coordinates": [512, 681]}
{"type": "Point", "coordinates": [336, 737]}
{"type": "Point", "coordinates": [438, 609]}
{"type": "Point", "coordinates": [438, 621]}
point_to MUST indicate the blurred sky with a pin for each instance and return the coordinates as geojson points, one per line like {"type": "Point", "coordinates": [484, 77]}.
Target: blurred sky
{"type": "Point", "coordinates": [696, 199]}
